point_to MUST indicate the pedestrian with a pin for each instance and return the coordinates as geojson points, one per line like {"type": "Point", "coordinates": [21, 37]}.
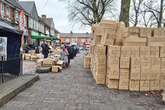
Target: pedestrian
{"type": "Point", "coordinates": [64, 56]}
{"type": "Point", "coordinates": [45, 49]}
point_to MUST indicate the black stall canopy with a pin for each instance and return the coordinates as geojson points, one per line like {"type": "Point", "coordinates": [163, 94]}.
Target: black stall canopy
{"type": "Point", "coordinates": [12, 64]}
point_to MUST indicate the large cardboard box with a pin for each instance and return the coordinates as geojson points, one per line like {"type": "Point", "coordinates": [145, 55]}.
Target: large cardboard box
{"type": "Point", "coordinates": [97, 30]}
{"type": "Point", "coordinates": [113, 67]}
{"type": "Point", "coordinates": [109, 37]}
{"type": "Point", "coordinates": [100, 80]}
{"type": "Point", "coordinates": [124, 73]}
{"type": "Point", "coordinates": [135, 68]}
{"type": "Point", "coordinates": [113, 62]}
{"type": "Point", "coordinates": [154, 85]}
{"type": "Point", "coordinates": [158, 32]}
{"type": "Point", "coordinates": [134, 85]}
{"type": "Point", "coordinates": [55, 69]}
{"type": "Point", "coordinates": [156, 68]}
{"type": "Point", "coordinates": [162, 66]}
{"type": "Point", "coordinates": [48, 62]}
{"type": "Point", "coordinates": [100, 50]}
{"type": "Point", "coordinates": [125, 51]}
{"type": "Point", "coordinates": [144, 51]}
{"type": "Point", "coordinates": [113, 73]}
{"type": "Point", "coordinates": [87, 62]}
{"type": "Point", "coordinates": [162, 52]}
{"type": "Point", "coordinates": [134, 41]}
{"type": "Point", "coordinates": [108, 24]}
{"type": "Point", "coordinates": [134, 30]}
{"type": "Point", "coordinates": [135, 51]}
{"type": "Point", "coordinates": [145, 68]}
{"type": "Point", "coordinates": [156, 41]}
{"type": "Point", "coordinates": [100, 59]}
{"type": "Point", "coordinates": [144, 85]}
{"type": "Point", "coordinates": [154, 51]}
{"type": "Point", "coordinates": [145, 32]}
{"type": "Point", "coordinates": [114, 51]}
{"type": "Point", "coordinates": [123, 84]}
{"type": "Point", "coordinates": [124, 62]}
{"type": "Point", "coordinates": [162, 82]}
{"type": "Point", "coordinates": [113, 84]}
{"type": "Point", "coordinates": [97, 39]}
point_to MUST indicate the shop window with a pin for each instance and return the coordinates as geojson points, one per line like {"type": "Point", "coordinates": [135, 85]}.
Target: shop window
{"type": "Point", "coordinates": [2, 10]}
{"type": "Point", "coordinates": [16, 17]}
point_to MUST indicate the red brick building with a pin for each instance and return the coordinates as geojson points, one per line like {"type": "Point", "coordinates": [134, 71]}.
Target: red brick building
{"type": "Point", "coordinates": [78, 38]}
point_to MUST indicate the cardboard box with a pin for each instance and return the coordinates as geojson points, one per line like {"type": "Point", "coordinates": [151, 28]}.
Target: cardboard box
{"type": "Point", "coordinates": [156, 41]}
{"type": "Point", "coordinates": [135, 51]}
{"type": "Point", "coordinates": [39, 62]}
{"type": "Point", "coordinates": [113, 62]}
{"type": "Point", "coordinates": [134, 41]}
{"type": "Point", "coordinates": [109, 37]}
{"type": "Point", "coordinates": [114, 51]}
{"type": "Point", "coordinates": [124, 62]}
{"type": "Point", "coordinates": [145, 32]}
{"type": "Point", "coordinates": [125, 51]}
{"type": "Point", "coordinates": [154, 51]}
{"type": "Point", "coordinates": [124, 73]}
{"type": "Point", "coordinates": [101, 59]}
{"type": "Point", "coordinates": [123, 84]}
{"type": "Point", "coordinates": [134, 30]}
{"type": "Point", "coordinates": [162, 51]}
{"type": "Point", "coordinates": [144, 51]}
{"type": "Point", "coordinates": [113, 84]}
{"type": "Point", "coordinates": [162, 82]}
{"type": "Point", "coordinates": [156, 68]}
{"type": "Point", "coordinates": [97, 30]}
{"type": "Point", "coordinates": [47, 62]}
{"type": "Point", "coordinates": [100, 50]}
{"type": "Point", "coordinates": [145, 68]}
{"type": "Point", "coordinates": [135, 68]}
{"type": "Point", "coordinates": [162, 66]}
{"type": "Point", "coordinates": [27, 56]}
{"type": "Point", "coordinates": [134, 85]}
{"type": "Point", "coordinates": [154, 85]}
{"type": "Point", "coordinates": [113, 73]}
{"type": "Point", "coordinates": [144, 85]}
{"type": "Point", "coordinates": [109, 24]}
{"type": "Point", "coordinates": [55, 69]}
{"type": "Point", "coordinates": [100, 80]}
{"type": "Point", "coordinates": [158, 32]}
{"type": "Point", "coordinates": [87, 62]}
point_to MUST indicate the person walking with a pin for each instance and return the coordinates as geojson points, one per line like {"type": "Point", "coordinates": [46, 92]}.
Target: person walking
{"type": "Point", "coordinates": [64, 56]}
{"type": "Point", "coordinates": [45, 49]}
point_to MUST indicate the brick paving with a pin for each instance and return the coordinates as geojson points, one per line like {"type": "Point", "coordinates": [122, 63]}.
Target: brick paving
{"type": "Point", "coordinates": [75, 89]}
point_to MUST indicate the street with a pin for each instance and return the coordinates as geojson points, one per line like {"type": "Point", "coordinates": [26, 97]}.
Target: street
{"type": "Point", "coordinates": [75, 89]}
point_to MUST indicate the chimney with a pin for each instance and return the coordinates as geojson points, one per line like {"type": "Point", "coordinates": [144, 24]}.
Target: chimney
{"type": "Point", "coordinates": [44, 17]}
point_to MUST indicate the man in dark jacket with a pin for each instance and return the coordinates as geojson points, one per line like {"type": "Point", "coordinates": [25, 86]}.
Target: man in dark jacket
{"type": "Point", "coordinates": [45, 49]}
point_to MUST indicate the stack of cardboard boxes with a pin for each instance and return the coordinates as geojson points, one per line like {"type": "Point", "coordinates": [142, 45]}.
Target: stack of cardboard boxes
{"type": "Point", "coordinates": [128, 58]}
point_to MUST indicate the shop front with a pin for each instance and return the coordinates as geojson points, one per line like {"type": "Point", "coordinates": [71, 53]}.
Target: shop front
{"type": "Point", "coordinates": [10, 43]}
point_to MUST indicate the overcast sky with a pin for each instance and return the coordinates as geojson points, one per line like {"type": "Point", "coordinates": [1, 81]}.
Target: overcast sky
{"type": "Point", "coordinates": [58, 11]}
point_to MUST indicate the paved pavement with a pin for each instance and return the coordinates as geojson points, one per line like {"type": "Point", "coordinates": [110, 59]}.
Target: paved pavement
{"type": "Point", "coordinates": [75, 89]}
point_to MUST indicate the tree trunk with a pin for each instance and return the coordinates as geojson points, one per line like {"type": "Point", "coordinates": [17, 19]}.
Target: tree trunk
{"type": "Point", "coordinates": [161, 14]}
{"type": "Point", "coordinates": [124, 14]}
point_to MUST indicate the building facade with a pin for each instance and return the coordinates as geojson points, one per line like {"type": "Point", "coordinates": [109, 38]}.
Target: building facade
{"type": "Point", "coordinates": [76, 38]}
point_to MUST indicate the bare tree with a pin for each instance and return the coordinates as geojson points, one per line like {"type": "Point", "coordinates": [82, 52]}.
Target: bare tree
{"type": "Point", "coordinates": [124, 13]}
{"type": "Point", "coordinates": [156, 8]}
{"type": "Point", "coordinates": [136, 11]}
{"type": "Point", "coordinates": [89, 12]}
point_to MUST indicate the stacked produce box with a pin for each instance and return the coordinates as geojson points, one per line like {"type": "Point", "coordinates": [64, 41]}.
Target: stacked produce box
{"type": "Point", "coordinates": [128, 58]}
